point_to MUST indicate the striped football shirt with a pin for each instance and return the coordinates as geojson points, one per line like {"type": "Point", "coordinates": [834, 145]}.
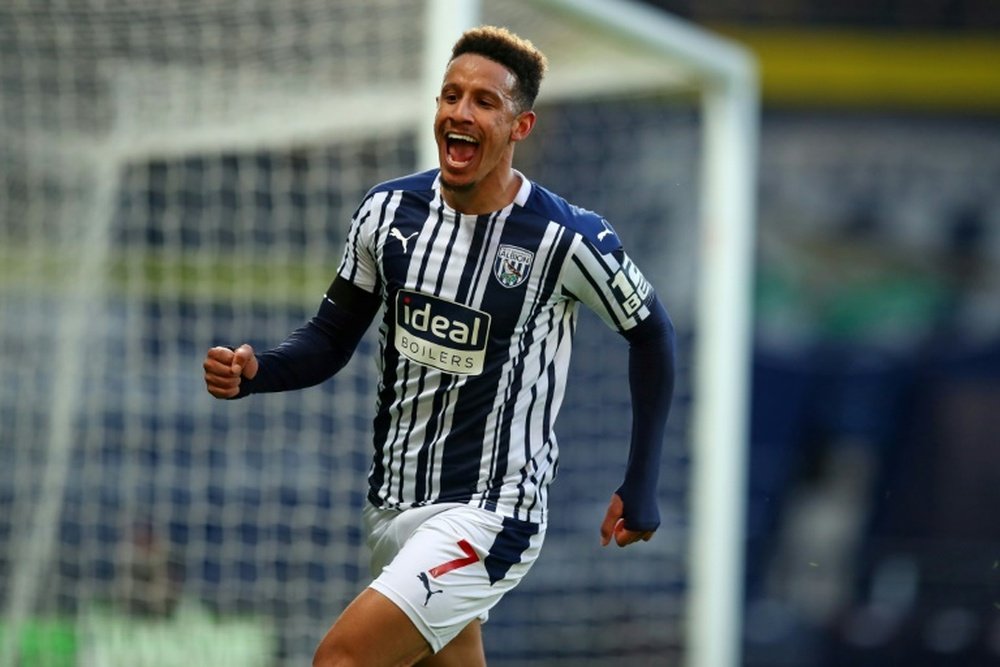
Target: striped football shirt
{"type": "Point", "coordinates": [475, 337]}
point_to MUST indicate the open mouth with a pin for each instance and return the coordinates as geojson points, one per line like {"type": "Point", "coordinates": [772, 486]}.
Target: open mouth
{"type": "Point", "coordinates": [460, 149]}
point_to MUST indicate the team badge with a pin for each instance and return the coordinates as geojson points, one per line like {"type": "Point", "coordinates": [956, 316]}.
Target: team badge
{"type": "Point", "coordinates": [512, 265]}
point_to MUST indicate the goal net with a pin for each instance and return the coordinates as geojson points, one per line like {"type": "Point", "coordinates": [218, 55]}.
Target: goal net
{"type": "Point", "coordinates": [176, 175]}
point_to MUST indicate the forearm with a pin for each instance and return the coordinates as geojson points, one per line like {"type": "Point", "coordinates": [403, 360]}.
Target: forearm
{"type": "Point", "coordinates": [306, 358]}
{"type": "Point", "coordinates": [317, 350]}
{"type": "Point", "coordinates": [651, 383]}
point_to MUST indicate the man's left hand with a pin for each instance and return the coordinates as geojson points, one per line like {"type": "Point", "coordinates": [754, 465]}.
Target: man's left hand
{"type": "Point", "coordinates": [614, 526]}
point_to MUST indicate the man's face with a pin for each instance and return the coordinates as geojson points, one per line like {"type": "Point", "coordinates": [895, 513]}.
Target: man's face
{"type": "Point", "coordinates": [477, 122]}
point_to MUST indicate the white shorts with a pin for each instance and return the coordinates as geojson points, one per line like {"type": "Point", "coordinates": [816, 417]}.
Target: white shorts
{"type": "Point", "coordinates": [445, 565]}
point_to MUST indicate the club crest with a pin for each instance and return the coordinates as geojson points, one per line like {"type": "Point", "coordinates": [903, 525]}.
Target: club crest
{"type": "Point", "coordinates": [512, 265]}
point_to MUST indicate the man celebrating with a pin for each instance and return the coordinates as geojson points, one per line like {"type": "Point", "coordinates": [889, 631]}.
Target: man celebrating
{"type": "Point", "coordinates": [478, 274]}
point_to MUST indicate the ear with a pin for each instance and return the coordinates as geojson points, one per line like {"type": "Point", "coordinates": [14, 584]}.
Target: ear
{"type": "Point", "coordinates": [522, 125]}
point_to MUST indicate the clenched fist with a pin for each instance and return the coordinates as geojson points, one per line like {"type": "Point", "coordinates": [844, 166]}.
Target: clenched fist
{"type": "Point", "coordinates": [226, 368]}
{"type": "Point", "coordinates": [613, 526]}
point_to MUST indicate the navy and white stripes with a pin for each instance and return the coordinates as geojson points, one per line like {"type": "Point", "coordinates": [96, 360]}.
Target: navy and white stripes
{"type": "Point", "coordinates": [476, 333]}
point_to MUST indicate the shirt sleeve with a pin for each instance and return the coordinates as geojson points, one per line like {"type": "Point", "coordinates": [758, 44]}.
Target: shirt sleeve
{"type": "Point", "coordinates": [651, 386]}
{"type": "Point", "coordinates": [359, 264]}
{"type": "Point", "coordinates": [318, 349]}
{"type": "Point", "coordinates": [607, 281]}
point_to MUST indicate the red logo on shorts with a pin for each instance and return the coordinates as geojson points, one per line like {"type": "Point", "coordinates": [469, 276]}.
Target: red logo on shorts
{"type": "Point", "coordinates": [470, 557]}
{"type": "Point", "coordinates": [444, 568]}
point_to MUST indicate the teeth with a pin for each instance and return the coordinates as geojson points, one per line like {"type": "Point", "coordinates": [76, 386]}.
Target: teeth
{"type": "Point", "coordinates": [461, 137]}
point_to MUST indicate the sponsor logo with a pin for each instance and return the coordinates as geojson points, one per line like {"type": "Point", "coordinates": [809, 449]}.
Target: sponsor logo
{"type": "Point", "coordinates": [512, 265]}
{"type": "Point", "coordinates": [630, 287]}
{"type": "Point", "coordinates": [405, 240]}
{"type": "Point", "coordinates": [441, 334]}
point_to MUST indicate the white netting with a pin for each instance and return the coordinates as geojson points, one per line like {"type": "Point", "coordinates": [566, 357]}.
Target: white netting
{"type": "Point", "coordinates": [175, 175]}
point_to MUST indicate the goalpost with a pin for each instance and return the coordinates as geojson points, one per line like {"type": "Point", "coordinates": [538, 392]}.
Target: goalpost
{"type": "Point", "coordinates": [179, 175]}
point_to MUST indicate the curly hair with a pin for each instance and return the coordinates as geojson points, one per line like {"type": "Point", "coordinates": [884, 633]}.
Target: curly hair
{"type": "Point", "coordinates": [517, 54]}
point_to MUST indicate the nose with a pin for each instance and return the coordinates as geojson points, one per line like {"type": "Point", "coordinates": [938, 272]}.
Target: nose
{"type": "Point", "coordinates": [462, 109]}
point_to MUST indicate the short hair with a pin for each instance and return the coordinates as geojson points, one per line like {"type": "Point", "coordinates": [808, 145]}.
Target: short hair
{"type": "Point", "coordinates": [517, 54]}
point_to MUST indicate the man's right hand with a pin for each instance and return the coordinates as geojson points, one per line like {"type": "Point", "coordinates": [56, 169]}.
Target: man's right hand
{"type": "Point", "coordinates": [226, 368]}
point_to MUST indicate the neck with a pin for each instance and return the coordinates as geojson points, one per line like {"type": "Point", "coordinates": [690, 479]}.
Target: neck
{"type": "Point", "coordinates": [492, 193]}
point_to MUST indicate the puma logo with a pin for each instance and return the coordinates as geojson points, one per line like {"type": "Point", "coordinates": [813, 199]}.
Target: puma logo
{"type": "Point", "coordinates": [607, 230]}
{"type": "Point", "coordinates": [470, 558]}
{"type": "Point", "coordinates": [405, 240]}
{"type": "Point", "coordinates": [427, 584]}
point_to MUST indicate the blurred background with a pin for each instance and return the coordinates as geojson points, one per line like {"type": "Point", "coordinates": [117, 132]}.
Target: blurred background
{"type": "Point", "coordinates": [872, 525]}
{"type": "Point", "coordinates": [178, 175]}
